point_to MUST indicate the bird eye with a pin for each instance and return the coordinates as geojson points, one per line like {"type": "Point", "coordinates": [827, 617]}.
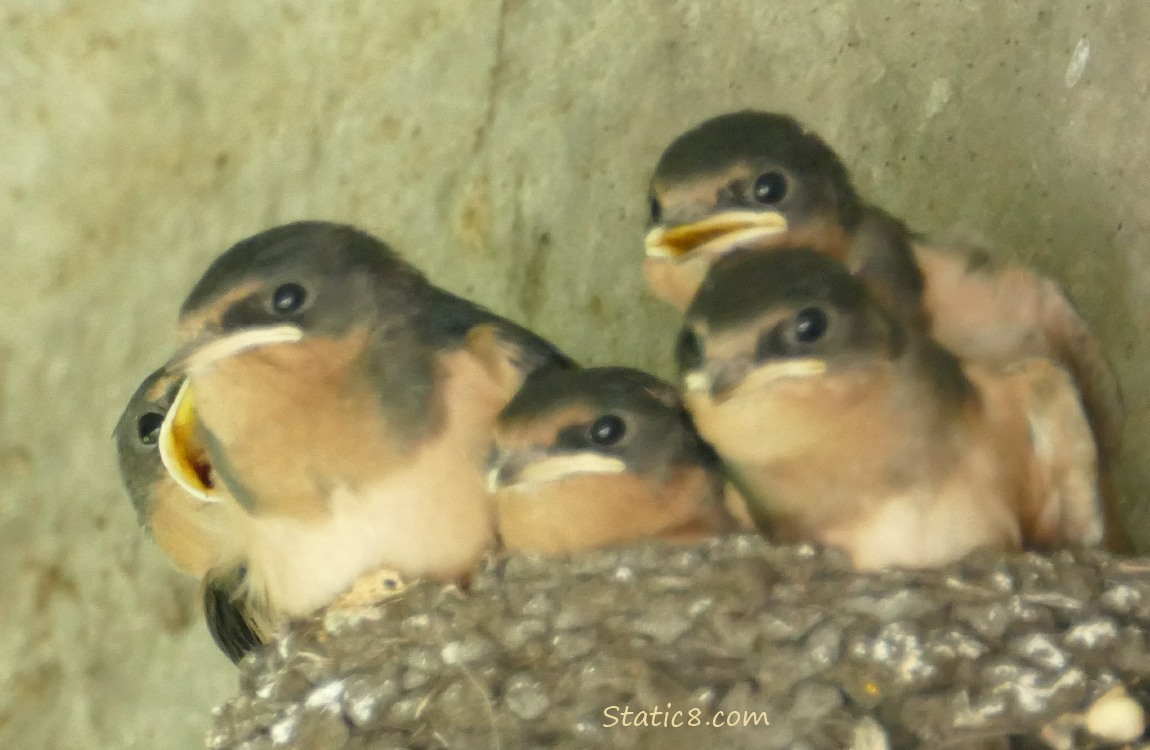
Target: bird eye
{"type": "Point", "coordinates": [770, 188]}
{"type": "Point", "coordinates": [148, 427]}
{"type": "Point", "coordinates": [288, 298]}
{"type": "Point", "coordinates": [607, 430]}
{"type": "Point", "coordinates": [810, 325]}
{"type": "Point", "coordinates": [656, 210]}
{"type": "Point", "coordinates": [688, 350]}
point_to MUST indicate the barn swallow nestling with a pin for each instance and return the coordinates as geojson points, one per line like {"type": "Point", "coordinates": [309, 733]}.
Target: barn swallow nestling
{"type": "Point", "coordinates": [193, 533]}
{"type": "Point", "coordinates": [601, 457]}
{"type": "Point", "coordinates": [761, 180]}
{"type": "Point", "coordinates": [200, 536]}
{"type": "Point", "coordinates": [752, 179]}
{"type": "Point", "coordinates": [347, 405]}
{"type": "Point", "coordinates": [845, 426]}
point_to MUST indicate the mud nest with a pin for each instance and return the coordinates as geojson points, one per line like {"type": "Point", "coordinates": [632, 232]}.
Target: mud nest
{"type": "Point", "coordinates": [567, 652]}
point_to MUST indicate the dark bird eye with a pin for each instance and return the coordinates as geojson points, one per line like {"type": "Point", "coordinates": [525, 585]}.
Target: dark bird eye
{"type": "Point", "coordinates": [607, 430]}
{"type": "Point", "coordinates": [810, 325]}
{"type": "Point", "coordinates": [656, 210]}
{"type": "Point", "coordinates": [770, 188]}
{"type": "Point", "coordinates": [289, 297]}
{"type": "Point", "coordinates": [148, 427]}
{"type": "Point", "coordinates": [688, 350]}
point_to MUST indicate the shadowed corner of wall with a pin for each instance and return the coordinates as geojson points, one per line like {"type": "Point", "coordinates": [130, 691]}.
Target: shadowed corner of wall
{"type": "Point", "coordinates": [736, 643]}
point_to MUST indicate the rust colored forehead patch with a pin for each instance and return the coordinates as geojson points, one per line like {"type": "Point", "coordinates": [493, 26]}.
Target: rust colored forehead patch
{"type": "Point", "coordinates": [728, 343]}
{"type": "Point", "coordinates": [193, 323]}
{"type": "Point", "coordinates": [529, 431]}
{"type": "Point", "coordinates": [701, 189]}
{"type": "Point", "coordinates": [162, 390]}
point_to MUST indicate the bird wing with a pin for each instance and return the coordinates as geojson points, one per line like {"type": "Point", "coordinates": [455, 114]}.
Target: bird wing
{"type": "Point", "coordinates": [230, 616]}
{"type": "Point", "coordinates": [507, 348]}
{"type": "Point", "coordinates": [1063, 454]}
{"type": "Point", "coordinates": [998, 312]}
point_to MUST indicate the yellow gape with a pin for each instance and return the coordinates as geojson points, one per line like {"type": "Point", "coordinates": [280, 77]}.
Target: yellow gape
{"type": "Point", "coordinates": [183, 455]}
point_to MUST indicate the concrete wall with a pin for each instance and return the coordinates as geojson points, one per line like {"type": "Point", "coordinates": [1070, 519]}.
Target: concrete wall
{"type": "Point", "coordinates": [504, 145]}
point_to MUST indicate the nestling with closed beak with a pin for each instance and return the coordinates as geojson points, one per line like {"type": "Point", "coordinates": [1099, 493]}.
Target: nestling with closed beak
{"type": "Point", "coordinates": [601, 457]}
{"type": "Point", "coordinates": [845, 426]}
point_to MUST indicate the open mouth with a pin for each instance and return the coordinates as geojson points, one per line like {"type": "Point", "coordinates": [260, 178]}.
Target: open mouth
{"type": "Point", "coordinates": [552, 469]}
{"type": "Point", "coordinates": [183, 455]}
{"type": "Point", "coordinates": [714, 235]}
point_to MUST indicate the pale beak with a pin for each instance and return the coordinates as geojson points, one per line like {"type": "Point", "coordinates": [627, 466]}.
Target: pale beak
{"type": "Point", "coordinates": [721, 384]}
{"type": "Point", "coordinates": [543, 468]}
{"type": "Point", "coordinates": [209, 350]}
{"type": "Point", "coordinates": [714, 235]}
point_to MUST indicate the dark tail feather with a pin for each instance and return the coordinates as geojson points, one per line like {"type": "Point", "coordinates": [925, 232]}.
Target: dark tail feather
{"type": "Point", "coordinates": [227, 620]}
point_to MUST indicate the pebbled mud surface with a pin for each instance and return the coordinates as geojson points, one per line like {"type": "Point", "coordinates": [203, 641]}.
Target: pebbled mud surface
{"type": "Point", "coordinates": [992, 652]}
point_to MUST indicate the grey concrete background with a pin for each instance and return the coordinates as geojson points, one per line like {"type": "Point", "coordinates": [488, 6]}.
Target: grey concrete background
{"type": "Point", "coordinates": [503, 145]}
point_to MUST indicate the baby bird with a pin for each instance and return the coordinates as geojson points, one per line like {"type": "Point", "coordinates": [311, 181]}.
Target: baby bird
{"type": "Point", "coordinates": [843, 425]}
{"type": "Point", "coordinates": [194, 534]}
{"type": "Point", "coordinates": [201, 537]}
{"type": "Point", "coordinates": [760, 180]}
{"type": "Point", "coordinates": [600, 457]}
{"type": "Point", "coordinates": [346, 406]}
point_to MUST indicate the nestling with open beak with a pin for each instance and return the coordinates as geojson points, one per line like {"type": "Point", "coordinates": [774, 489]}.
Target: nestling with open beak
{"type": "Point", "coordinates": [844, 426]}
{"type": "Point", "coordinates": [348, 407]}
{"type": "Point", "coordinates": [761, 180]}
{"type": "Point", "coordinates": [193, 533]}
{"type": "Point", "coordinates": [750, 179]}
{"type": "Point", "coordinates": [601, 457]}
{"type": "Point", "coordinates": [201, 536]}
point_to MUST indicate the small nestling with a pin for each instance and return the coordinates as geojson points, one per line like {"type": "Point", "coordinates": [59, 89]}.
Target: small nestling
{"type": "Point", "coordinates": [601, 457]}
{"type": "Point", "coordinates": [347, 406]}
{"type": "Point", "coordinates": [843, 425]}
{"type": "Point", "coordinates": [200, 536]}
{"type": "Point", "coordinates": [753, 179]}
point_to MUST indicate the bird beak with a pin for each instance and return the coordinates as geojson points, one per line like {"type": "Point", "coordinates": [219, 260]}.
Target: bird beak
{"type": "Point", "coordinates": [182, 453]}
{"type": "Point", "coordinates": [715, 234]}
{"type": "Point", "coordinates": [520, 472]}
{"type": "Point", "coordinates": [716, 382]}
{"type": "Point", "coordinates": [184, 457]}
{"type": "Point", "coordinates": [720, 383]}
{"type": "Point", "coordinates": [210, 349]}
